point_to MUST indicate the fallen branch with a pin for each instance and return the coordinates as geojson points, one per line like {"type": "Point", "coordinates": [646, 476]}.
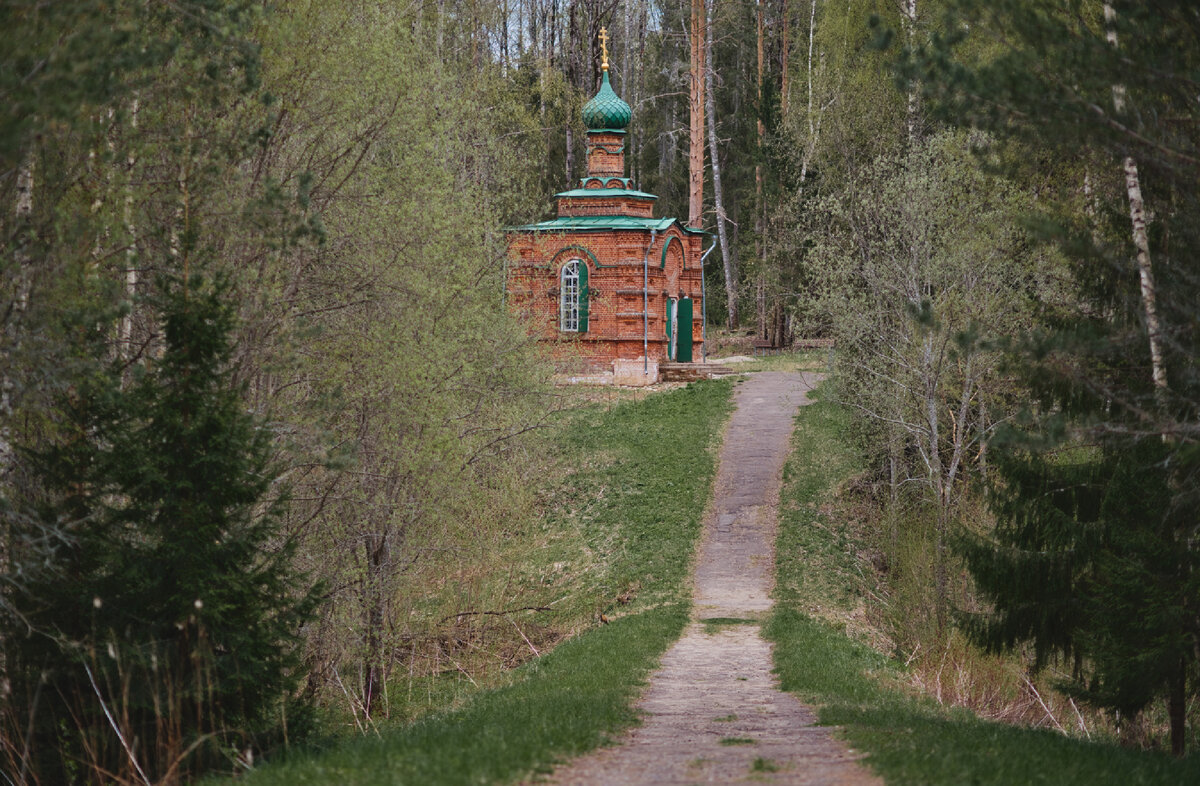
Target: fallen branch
{"type": "Point", "coordinates": [1079, 715]}
{"type": "Point", "coordinates": [1038, 696]}
{"type": "Point", "coordinates": [536, 654]}
{"type": "Point", "coordinates": [504, 613]}
{"type": "Point", "coordinates": [113, 723]}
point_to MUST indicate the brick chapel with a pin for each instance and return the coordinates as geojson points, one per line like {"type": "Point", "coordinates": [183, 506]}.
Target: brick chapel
{"type": "Point", "coordinates": [606, 278]}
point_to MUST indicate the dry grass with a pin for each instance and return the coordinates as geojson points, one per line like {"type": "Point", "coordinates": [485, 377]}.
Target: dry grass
{"type": "Point", "coordinates": [846, 564]}
{"type": "Point", "coordinates": [513, 579]}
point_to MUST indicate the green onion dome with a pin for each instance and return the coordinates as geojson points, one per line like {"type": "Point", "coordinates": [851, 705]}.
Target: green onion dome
{"type": "Point", "coordinates": [606, 111]}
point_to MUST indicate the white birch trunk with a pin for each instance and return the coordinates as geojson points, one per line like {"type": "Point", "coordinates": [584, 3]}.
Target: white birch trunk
{"type": "Point", "coordinates": [23, 212]}
{"type": "Point", "coordinates": [814, 128]}
{"type": "Point", "coordinates": [1137, 218]}
{"type": "Point", "coordinates": [910, 15]}
{"type": "Point", "coordinates": [718, 191]}
{"type": "Point", "coordinates": [125, 332]}
{"type": "Point", "coordinates": [25, 179]}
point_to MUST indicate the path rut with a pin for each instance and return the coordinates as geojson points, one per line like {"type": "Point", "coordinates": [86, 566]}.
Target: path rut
{"type": "Point", "coordinates": [712, 713]}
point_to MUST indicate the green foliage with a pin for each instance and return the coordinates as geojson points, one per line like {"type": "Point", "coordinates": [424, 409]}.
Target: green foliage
{"type": "Point", "coordinates": [110, 128]}
{"type": "Point", "coordinates": [643, 501]}
{"type": "Point", "coordinates": [62, 60]}
{"type": "Point", "coordinates": [405, 390]}
{"type": "Point", "coordinates": [144, 572]}
{"type": "Point", "coordinates": [626, 459]}
{"type": "Point", "coordinates": [905, 739]}
{"type": "Point", "coordinates": [914, 741]}
{"type": "Point", "coordinates": [1091, 561]}
{"type": "Point", "coordinates": [1051, 68]}
{"type": "Point", "coordinates": [168, 600]}
{"type": "Point", "coordinates": [1098, 481]}
{"type": "Point", "coordinates": [730, 741]}
{"type": "Point", "coordinates": [561, 705]}
{"type": "Point", "coordinates": [919, 264]}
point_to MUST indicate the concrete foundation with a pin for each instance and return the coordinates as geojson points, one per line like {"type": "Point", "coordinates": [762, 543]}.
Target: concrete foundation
{"type": "Point", "coordinates": [635, 373]}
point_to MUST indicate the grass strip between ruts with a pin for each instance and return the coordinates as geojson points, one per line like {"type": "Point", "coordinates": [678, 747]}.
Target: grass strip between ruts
{"type": "Point", "coordinates": [906, 739]}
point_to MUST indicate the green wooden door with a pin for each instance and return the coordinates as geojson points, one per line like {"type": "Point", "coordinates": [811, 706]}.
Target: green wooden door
{"type": "Point", "coordinates": [683, 330]}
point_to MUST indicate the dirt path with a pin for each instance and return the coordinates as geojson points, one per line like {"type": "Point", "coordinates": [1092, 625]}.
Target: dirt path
{"type": "Point", "coordinates": [712, 712]}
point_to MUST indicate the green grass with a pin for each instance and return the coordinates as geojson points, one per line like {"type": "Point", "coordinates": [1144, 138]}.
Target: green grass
{"type": "Point", "coordinates": [641, 475]}
{"type": "Point", "coordinates": [907, 740]}
{"type": "Point", "coordinates": [763, 765]}
{"type": "Point", "coordinates": [644, 474]}
{"type": "Point", "coordinates": [816, 566]}
{"type": "Point", "coordinates": [737, 740]}
{"type": "Point", "coordinates": [800, 360]}
{"type": "Point", "coordinates": [567, 702]}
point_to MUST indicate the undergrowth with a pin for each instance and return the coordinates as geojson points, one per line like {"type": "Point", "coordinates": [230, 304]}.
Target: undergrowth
{"type": "Point", "coordinates": [830, 627]}
{"type": "Point", "coordinates": [559, 705]}
{"type": "Point", "coordinates": [587, 596]}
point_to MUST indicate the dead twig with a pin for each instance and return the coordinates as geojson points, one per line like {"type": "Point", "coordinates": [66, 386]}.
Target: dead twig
{"type": "Point", "coordinates": [356, 706]}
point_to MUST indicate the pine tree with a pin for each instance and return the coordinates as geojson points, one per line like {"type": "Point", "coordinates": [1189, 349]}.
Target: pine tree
{"type": "Point", "coordinates": [160, 633]}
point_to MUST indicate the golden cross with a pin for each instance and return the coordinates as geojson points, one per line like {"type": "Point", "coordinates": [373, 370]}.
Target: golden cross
{"type": "Point", "coordinates": [604, 47]}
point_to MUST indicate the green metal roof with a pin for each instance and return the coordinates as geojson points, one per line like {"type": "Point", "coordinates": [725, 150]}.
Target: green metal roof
{"type": "Point", "coordinates": [604, 192]}
{"type": "Point", "coordinates": [606, 110]}
{"type": "Point", "coordinates": [597, 224]}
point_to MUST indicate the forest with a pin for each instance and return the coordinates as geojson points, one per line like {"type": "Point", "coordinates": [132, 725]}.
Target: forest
{"type": "Point", "coordinates": [271, 443]}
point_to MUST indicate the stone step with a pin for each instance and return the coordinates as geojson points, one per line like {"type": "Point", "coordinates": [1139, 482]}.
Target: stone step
{"type": "Point", "coordinates": [687, 372]}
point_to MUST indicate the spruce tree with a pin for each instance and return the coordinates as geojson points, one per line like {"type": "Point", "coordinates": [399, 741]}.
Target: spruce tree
{"type": "Point", "coordinates": [158, 638]}
{"type": "Point", "coordinates": [1097, 485]}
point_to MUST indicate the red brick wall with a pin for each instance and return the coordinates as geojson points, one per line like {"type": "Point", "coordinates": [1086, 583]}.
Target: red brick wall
{"type": "Point", "coordinates": [605, 206]}
{"type": "Point", "coordinates": [605, 154]}
{"type": "Point", "coordinates": [615, 322]}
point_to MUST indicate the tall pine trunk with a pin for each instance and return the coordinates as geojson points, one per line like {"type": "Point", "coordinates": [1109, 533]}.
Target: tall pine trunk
{"type": "Point", "coordinates": [759, 207]}
{"type": "Point", "coordinates": [696, 79]}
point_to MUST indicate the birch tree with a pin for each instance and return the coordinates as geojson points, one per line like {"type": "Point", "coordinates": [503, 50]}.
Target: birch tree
{"type": "Point", "coordinates": [1099, 482]}
{"type": "Point", "coordinates": [918, 262]}
{"type": "Point", "coordinates": [1137, 217]}
{"type": "Point", "coordinates": [728, 260]}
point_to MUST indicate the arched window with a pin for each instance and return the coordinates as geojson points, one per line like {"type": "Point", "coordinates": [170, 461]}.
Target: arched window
{"type": "Point", "coordinates": [573, 297]}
